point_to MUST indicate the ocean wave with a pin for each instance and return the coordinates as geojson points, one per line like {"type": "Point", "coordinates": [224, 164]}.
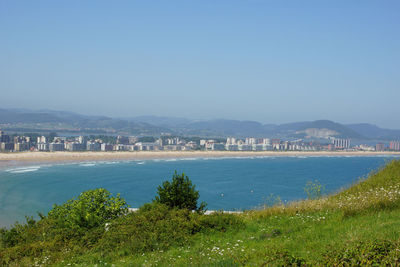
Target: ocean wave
{"type": "Point", "coordinates": [141, 162]}
{"type": "Point", "coordinates": [23, 170]}
{"type": "Point", "coordinates": [111, 162]}
{"type": "Point", "coordinates": [188, 158]}
{"type": "Point", "coordinates": [89, 164]}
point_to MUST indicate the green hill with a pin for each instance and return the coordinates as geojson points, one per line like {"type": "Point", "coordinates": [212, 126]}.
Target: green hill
{"type": "Point", "coordinates": [357, 226]}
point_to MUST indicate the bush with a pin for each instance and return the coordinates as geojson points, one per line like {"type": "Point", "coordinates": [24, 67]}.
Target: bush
{"type": "Point", "coordinates": [281, 257]}
{"type": "Point", "coordinates": [221, 222]}
{"type": "Point", "coordinates": [19, 233]}
{"type": "Point", "coordinates": [92, 208]}
{"type": "Point", "coordinates": [314, 190]}
{"type": "Point", "coordinates": [180, 193]}
{"type": "Point", "coordinates": [365, 253]}
{"type": "Point", "coordinates": [154, 226]}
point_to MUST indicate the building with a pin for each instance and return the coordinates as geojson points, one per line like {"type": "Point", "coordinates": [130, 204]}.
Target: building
{"type": "Point", "coordinates": [56, 147]}
{"type": "Point", "coordinates": [59, 139]}
{"type": "Point", "coordinates": [215, 146]}
{"type": "Point", "coordinates": [5, 142]}
{"type": "Point", "coordinates": [93, 146]}
{"type": "Point", "coordinates": [251, 141]}
{"type": "Point", "coordinates": [21, 146]}
{"type": "Point", "coordinates": [106, 147]}
{"type": "Point", "coordinates": [341, 143]}
{"type": "Point", "coordinates": [4, 138]}
{"type": "Point", "coordinates": [122, 140]}
{"type": "Point", "coordinates": [365, 148]}
{"type": "Point", "coordinates": [75, 146]}
{"type": "Point", "coordinates": [80, 139]}
{"type": "Point", "coordinates": [230, 141]}
{"type": "Point", "coordinates": [266, 141]}
{"type": "Point", "coordinates": [231, 147]}
{"type": "Point", "coordinates": [380, 147]}
{"type": "Point", "coordinates": [394, 145]}
{"type": "Point", "coordinates": [132, 140]}
{"type": "Point", "coordinates": [119, 147]}
{"type": "Point", "coordinates": [145, 146]}
{"type": "Point", "coordinates": [41, 139]}
{"type": "Point", "coordinates": [191, 145]}
{"type": "Point", "coordinates": [244, 147]}
{"type": "Point", "coordinates": [6, 146]}
{"type": "Point", "coordinates": [42, 146]}
{"type": "Point", "coordinates": [257, 147]}
{"type": "Point", "coordinates": [22, 143]}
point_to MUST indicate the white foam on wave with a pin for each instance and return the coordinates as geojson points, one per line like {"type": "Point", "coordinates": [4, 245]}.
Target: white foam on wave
{"type": "Point", "coordinates": [111, 162]}
{"type": "Point", "coordinates": [24, 169]}
{"type": "Point", "coordinates": [89, 164]}
{"type": "Point", "coordinates": [188, 158]}
{"type": "Point", "coordinates": [141, 162]}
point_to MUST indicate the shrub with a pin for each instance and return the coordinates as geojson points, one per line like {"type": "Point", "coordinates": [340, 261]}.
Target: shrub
{"type": "Point", "coordinates": [17, 234]}
{"type": "Point", "coordinates": [221, 222]}
{"type": "Point", "coordinates": [365, 253]}
{"type": "Point", "coordinates": [314, 190]}
{"type": "Point", "coordinates": [154, 226]}
{"type": "Point", "coordinates": [92, 208]}
{"type": "Point", "coordinates": [180, 193]}
{"type": "Point", "coordinates": [281, 257]}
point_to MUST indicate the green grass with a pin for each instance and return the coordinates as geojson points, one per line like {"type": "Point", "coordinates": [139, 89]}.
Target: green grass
{"type": "Point", "coordinates": [357, 226]}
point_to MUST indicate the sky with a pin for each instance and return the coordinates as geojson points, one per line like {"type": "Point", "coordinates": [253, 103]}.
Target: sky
{"type": "Point", "coordinates": [270, 61]}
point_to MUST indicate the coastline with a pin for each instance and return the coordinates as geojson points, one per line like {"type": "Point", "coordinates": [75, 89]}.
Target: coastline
{"type": "Point", "coordinates": [26, 158]}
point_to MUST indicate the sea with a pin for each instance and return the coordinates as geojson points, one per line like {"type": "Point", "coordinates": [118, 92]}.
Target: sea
{"type": "Point", "coordinates": [223, 183]}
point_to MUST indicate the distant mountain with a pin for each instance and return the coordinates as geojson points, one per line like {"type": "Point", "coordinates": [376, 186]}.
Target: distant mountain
{"type": "Point", "coordinates": [318, 129]}
{"type": "Point", "coordinates": [69, 122]}
{"type": "Point", "coordinates": [24, 116]}
{"type": "Point", "coordinates": [224, 127]}
{"type": "Point", "coordinates": [24, 120]}
{"type": "Point", "coordinates": [168, 122]}
{"type": "Point", "coordinates": [374, 132]}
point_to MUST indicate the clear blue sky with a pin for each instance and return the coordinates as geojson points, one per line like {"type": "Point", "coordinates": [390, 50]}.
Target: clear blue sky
{"type": "Point", "coordinates": [270, 61]}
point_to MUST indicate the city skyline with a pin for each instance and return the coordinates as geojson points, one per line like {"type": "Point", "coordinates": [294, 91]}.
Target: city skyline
{"type": "Point", "coordinates": [271, 62]}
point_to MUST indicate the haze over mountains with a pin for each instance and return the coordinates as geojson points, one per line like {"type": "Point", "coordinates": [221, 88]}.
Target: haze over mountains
{"type": "Point", "coordinates": [23, 120]}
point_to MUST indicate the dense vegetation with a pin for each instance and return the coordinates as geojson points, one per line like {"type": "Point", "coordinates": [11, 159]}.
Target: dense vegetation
{"type": "Point", "coordinates": [358, 226]}
{"type": "Point", "coordinates": [179, 193]}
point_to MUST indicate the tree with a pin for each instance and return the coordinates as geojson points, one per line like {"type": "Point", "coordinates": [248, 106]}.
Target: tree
{"type": "Point", "coordinates": [180, 193]}
{"type": "Point", "coordinates": [92, 208]}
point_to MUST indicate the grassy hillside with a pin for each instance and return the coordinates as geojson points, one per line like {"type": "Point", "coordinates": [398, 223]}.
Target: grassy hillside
{"type": "Point", "coordinates": [358, 226]}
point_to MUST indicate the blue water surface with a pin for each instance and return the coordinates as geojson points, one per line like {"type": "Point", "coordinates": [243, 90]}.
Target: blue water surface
{"type": "Point", "coordinates": [224, 183]}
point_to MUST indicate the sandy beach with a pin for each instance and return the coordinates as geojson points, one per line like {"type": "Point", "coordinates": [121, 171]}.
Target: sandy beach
{"type": "Point", "coordinates": [23, 158]}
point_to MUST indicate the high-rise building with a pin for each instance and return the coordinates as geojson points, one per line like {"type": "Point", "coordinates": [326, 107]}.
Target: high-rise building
{"type": "Point", "coordinates": [380, 147]}
{"type": "Point", "coordinates": [4, 138]}
{"type": "Point", "coordinates": [341, 143]}
{"type": "Point", "coordinates": [266, 141]}
{"type": "Point", "coordinates": [41, 139]}
{"type": "Point", "coordinates": [251, 141]}
{"type": "Point", "coordinates": [394, 145]}
{"type": "Point", "coordinates": [56, 147]}
{"type": "Point", "coordinates": [231, 141]}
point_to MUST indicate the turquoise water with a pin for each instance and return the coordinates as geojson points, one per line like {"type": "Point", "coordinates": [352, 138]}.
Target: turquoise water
{"type": "Point", "coordinates": [227, 183]}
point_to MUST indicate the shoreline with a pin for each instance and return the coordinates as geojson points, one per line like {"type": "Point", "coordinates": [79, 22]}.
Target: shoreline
{"type": "Point", "coordinates": [28, 158]}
